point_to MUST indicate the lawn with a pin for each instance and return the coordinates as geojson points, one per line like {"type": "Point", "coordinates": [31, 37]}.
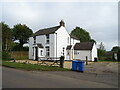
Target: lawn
{"type": "Point", "coordinates": [32, 66]}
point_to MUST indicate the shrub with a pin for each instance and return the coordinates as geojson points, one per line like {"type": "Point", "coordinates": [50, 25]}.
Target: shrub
{"type": "Point", "coordinates": [5, 55]}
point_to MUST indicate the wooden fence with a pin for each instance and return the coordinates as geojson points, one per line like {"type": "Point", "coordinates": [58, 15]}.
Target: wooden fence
{"type": "Point", "coordinates": [19, 55]}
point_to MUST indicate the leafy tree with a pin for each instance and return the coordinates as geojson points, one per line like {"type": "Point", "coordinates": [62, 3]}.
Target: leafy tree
{"type": "Point", "coordinates": [115, 49]}
{"type": "Point", "coordinates": [7, 35]}
{"type": "Point", "coordinates": [22, 33]}
{"type": "Point", "coordinates": [101, 54]}
{"type": "Point", "coordinates": [82, 35]}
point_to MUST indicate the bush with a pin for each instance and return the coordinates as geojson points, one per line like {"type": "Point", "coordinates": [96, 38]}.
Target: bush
{"type": "Point", "coordinates": [5, 55]}
{"type": "Point", "coordinates": [18, 48]}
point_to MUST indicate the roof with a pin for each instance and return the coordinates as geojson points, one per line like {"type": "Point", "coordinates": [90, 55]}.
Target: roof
{"type": "Point", "coordinates": [68, 47]}
{"type": "Point", "coordinates": [84, 46]}
{"type": "Point", "coordinates": [46, 31]}
{"type": "Point", "coordinates": [74, 37]}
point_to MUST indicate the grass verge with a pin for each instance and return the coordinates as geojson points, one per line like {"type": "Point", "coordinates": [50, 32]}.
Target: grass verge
{"type": "Point", "coordinates": [32, 67]}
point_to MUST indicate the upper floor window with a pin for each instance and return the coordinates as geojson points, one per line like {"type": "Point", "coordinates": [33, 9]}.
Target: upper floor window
{"type": "Point", "coordinates": [68, 40]}
{"type": "Point", "coordinates": [47, 38]}
{"type": "Point", "coordinates": [47, 51]}
{"type": "Point", "coordinates": [34, 39]}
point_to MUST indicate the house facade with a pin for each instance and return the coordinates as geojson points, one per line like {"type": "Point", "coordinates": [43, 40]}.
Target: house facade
{"type": "Point", "coordinates": [52, 42]}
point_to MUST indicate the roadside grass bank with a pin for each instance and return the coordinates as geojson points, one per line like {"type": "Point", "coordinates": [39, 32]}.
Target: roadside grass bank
{"type": "Point", "coordinates": [31, 67]}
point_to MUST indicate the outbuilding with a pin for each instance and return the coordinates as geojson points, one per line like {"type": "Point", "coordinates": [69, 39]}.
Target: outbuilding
{"type": "Point", "coordinates": [85, 49]}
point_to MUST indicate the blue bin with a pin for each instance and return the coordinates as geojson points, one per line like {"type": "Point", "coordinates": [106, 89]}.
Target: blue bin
{"type": "Point", "coordinates": [80, 66]}
{"type": "Point", "coordinates": [74, 65]}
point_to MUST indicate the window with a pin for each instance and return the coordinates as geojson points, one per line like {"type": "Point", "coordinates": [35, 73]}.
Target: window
{"type": "Point", "coordinates": [68, 40]}
{"type": "Point", "coordinates": [41, 52]}
{"type": "Point", "coordinates": [34, 39]}
{"type": "Point", "coordinates": [68, 53]}
{"type": "Point", "coordinates": [75, 52]}
{"type": "Point", "coordinates": [47, 51]}
{"type": "Point", "coordinates": [33, 51]}
{"type": "Point", "coordinates": [47, 38]}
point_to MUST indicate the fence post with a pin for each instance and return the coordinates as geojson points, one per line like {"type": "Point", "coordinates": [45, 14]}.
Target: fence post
{"type": "Point", "coordinates": [61, 61]}
{"type": "Point", "coordinates": [86, 60]}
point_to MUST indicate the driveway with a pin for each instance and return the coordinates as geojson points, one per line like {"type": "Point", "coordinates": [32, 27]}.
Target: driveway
{"type": "Point", "coordinates": [14, 78]}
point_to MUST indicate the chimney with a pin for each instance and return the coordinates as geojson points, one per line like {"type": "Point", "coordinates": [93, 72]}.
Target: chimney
{"type": "Point", "coordinates": [62, 23]}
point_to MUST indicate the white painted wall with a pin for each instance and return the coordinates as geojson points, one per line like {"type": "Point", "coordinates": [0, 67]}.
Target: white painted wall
{"type": "Point", "coordinates": [94, 52]}
{"type": "Point", "coordinates": [31, 41]}
{"type": "Point", "coordinates": [74, 41]}
{"type": "Point", "coordinates": [62, 41]}
{"type": "Point", "coordinates": [81, 54]}
{"type": "Point", "coordinates": [90, 53]}
{"type": "Point", "coordinates": [52, 43]}
{"type": "Point", "coordinates": [39, 52]}
{"type": "Point", "coordinates": [42, 39]}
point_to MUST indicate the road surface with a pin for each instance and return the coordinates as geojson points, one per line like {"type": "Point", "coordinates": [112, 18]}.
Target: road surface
{"type": "Point", "coordinates": [14, 78]}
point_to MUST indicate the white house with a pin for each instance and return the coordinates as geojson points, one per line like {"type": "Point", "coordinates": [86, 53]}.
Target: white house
{"type": "Point", "coordinates": [83, 49]}
{"type": "Point", "coordinates": [52, 42]}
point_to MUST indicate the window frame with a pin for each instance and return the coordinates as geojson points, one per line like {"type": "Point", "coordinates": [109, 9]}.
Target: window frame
{"type": "Point", "coordinates": [47, 51]}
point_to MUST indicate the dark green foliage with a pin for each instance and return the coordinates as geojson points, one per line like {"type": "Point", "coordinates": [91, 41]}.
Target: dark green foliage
{"type": "Point", "coordinates": [101, 54]}
{"type": "Point", "coordinates": [82, 35]}
{"type": "Point", "coordinates": [7, 35]}
{"type": "Point", "coordinates": [21, 33]}
{"type": "Point", "coordinates": [33, 67]}
{"type": "Point", "coordinates": [116, 49]}
{"type": "Point", "coordinates": [16, 47]}
{"type": "Point", "coordinates": [5, 55]}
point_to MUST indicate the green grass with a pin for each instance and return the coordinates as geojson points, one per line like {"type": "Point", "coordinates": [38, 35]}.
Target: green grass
{"type": "Point", "coordinates": [32, 67]}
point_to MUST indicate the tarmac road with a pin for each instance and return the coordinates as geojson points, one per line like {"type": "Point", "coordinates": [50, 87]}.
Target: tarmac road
{"type": "Point", "coordinates": [14, 78]}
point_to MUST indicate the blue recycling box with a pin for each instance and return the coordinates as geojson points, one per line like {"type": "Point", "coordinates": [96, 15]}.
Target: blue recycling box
{"type": "Point", "coordinates": [80, 66]}
{"type": "Point", "coordinates": [74, 65]}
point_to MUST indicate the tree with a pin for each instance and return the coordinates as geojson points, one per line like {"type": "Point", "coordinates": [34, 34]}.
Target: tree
{"type": "Point", "coordinates": [116, 49]}
{"type": "Point", "coordinates": [101, 54]}
{"type": "Point", "coordinates": [101, 46]}
{"type": "Point", "coordinates": [7, 35]}
{"type": "Point", "coordinates": [82, 35]}
{"type": "Point", "coordinates": [22, 33]}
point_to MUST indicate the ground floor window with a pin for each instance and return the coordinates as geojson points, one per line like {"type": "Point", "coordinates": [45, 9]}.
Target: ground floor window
{"type": "Point", "coordinates": [41, 52]}
{"type": "Point", "coordinates": [75, 52]}
{"type": "Point", "coordinates": [33, 51]}
{"type": "Point", "coordinates": [47, 51]}
{"type": "Point", "coordinates": [68, 52]}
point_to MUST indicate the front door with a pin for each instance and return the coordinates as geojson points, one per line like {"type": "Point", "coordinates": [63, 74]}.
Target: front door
{"type": "Point", "coordinates": [36, 53]}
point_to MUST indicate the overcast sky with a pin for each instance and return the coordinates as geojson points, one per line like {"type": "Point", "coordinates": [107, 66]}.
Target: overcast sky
{"type": "Point", "coordinates": [100, 19]}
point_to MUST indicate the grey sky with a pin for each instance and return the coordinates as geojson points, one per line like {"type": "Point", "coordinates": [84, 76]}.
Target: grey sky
{"type": "Point", "coordinates": [100, 19]}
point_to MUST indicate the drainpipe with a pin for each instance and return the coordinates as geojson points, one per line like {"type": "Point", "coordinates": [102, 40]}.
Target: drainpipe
{"type": "Point", "coordinates": [56, 46]}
